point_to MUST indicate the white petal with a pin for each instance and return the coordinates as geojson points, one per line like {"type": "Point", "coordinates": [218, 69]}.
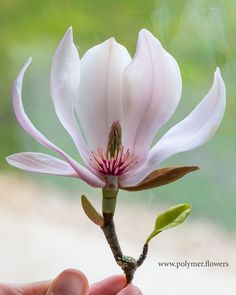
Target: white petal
{"type": "Point", "coordinates": [65, 76]}
{"type": "Point", "coordinates": [152, 90]}
{"type": "Point", "coordinates": [26, 124]}
{"type": "Point", "coordinates": [41, 163]}
{"type": "Point", "coordinates": [196, 129]}
{"type": "Point", "coordinates": [100, 92]}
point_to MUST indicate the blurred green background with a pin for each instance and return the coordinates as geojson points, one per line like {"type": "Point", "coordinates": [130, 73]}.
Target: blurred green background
{"type": "Point", "coordinates": [200, 34]}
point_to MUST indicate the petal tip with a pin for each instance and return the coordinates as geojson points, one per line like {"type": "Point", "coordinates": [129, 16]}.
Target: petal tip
{"type": "Point", "coordinates": [7, 158]}
{"type": "Point", "coordinates": [218, 78]}
{"type": "Point", "coordinates": [69, 30]}
{"type": "Point", "coordinates": [145, 36]}
{"type": "Point", "coordinates": [10, 159]}
{"type": "Point", "coordinates": [28, 61]}
{"type": "Point", "coordinates": [69, 34]}
{"type": "Point", "coordinates": [144, 31]}
{"type": "Point", "coordinates": [111, 41]}
{"type": "Point", "coordinates": [218, 71]}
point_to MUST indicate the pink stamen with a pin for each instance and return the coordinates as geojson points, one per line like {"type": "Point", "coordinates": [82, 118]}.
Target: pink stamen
{"type": "Point", "coordinates": [116, 165]}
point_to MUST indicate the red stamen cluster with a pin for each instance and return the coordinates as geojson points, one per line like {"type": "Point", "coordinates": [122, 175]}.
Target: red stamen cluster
{"type": "Point", "coordinates": [116, 165]}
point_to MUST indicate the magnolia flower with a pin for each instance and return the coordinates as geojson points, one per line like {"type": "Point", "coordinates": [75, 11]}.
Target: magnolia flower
{"type": "Point", "coordinates": [112, 106]}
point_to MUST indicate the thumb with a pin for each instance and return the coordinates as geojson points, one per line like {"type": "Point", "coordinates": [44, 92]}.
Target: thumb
{"type": "Point", "coordinates": [69, 282]}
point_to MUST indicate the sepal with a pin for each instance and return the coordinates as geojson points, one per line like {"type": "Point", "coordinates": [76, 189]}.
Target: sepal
{"type": "Point", "coordinates": [91, 212]}
{"type": "Point", "coordinates": [161, 177]}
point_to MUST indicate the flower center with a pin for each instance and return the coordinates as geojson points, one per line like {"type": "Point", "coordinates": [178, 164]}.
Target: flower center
{"type": "Point", "coordinates": [116, 165]}
{"type": "Point", "coordinates": [115, 160]}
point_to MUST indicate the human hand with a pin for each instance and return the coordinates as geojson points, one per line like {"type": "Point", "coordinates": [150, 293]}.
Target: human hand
{"type": "Point", "coordinates": [72, 282]}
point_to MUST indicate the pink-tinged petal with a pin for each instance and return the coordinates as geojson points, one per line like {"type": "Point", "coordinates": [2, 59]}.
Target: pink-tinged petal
{"type": "Point", "coordinates": [41, 163]}
{"type": "Point", "coordinates": [152, 90]}
{"type": "Point", "coordinates": [26, 124]}
{"type": "Point", "coordinates": [100, 91]}
{"type": "Point", "coordinates": [196, 129]}
{"type": "Point", "coordinates": [65, 76]}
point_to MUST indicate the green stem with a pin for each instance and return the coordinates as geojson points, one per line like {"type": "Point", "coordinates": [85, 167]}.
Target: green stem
{"type": "Point", "coordinates": [109, 201]}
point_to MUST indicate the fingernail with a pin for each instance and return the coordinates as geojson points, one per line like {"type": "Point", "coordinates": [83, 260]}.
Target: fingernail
{"type": "Point", "coordinates": [68, 283]}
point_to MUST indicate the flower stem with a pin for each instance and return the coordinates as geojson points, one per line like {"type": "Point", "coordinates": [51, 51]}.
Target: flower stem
{"type": "Point", "coordinates": [110, 234]}
{"type": "Point", "coordinates": [127, 263]}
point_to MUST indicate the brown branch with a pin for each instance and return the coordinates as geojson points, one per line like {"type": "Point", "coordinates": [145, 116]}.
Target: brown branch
{"type": "Point", "coordinates": [127, 263]}
{"type": "Point", "coordinates": [143, 256]}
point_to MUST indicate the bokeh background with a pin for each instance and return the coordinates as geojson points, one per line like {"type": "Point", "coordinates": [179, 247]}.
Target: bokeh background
{"type": "Point", "coordinates": [200, 34]}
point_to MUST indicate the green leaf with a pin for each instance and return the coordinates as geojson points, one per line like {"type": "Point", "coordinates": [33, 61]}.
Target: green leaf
{"type": "Point", "coordinates": [170, 218]}
{"type": "Point", "coordinates": [91, 212]}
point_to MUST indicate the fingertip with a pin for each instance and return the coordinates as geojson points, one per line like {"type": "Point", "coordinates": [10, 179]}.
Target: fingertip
{"type": "Point", "coordinates": [108, 286]}
{"type": "Point", "coordinates": [70, 281]}
{"type": "Point", "coordinates": [130, 290]}
{"type": "Point", "coordinates": [72, 272]}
